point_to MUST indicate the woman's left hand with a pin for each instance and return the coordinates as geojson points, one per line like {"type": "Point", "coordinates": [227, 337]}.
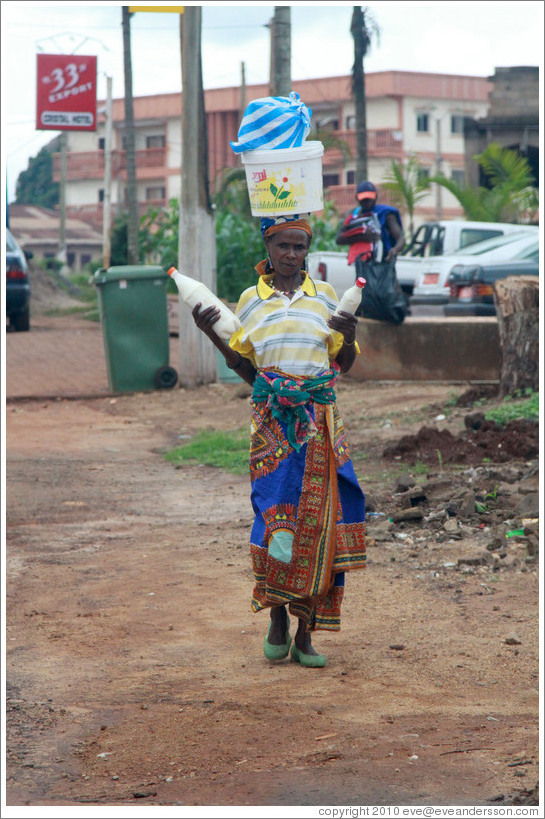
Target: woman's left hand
{"type": "Point", "coordinates": [346, 324]}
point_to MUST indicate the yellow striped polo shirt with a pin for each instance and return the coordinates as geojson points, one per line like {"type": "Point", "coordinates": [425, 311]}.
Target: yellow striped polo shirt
{"type": "Point", "coordinates": [289, 334]}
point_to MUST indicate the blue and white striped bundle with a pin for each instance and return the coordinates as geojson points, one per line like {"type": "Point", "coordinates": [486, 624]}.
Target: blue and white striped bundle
{"type": "Point", "coordinates": [273, 122]}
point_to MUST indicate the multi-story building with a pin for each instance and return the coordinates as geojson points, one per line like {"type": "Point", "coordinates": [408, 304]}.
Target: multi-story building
{"type": "Point", "coordinates": [512, 120]}
{"type": "Point", "coordinates": [409, 114]}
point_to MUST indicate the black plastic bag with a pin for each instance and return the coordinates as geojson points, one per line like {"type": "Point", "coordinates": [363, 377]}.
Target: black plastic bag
{"type": "Point", "coordinates": [382, 298]}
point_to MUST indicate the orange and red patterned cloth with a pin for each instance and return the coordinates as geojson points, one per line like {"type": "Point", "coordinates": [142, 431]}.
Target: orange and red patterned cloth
{"type": "Point", "coordinates": [309, 508]}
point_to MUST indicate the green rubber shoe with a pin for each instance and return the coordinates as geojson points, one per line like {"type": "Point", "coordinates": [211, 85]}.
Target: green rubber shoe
{"type": "Point", "coordinates": [308, 660]}
{"type": "Point", "coordinates": [273, 652]}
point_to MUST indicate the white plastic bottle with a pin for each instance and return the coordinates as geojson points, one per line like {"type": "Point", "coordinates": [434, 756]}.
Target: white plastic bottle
{"type": "Point", "coordinates": [193, 292]}
{"type": "Point", "coordinates": [351, 298]}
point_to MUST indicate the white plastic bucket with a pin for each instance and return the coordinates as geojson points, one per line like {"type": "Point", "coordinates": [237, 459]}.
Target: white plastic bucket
{"type": "Point", "coordinates": [285, 181]}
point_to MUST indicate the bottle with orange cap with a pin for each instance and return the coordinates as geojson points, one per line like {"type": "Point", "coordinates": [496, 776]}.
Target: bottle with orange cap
{"type": "Point", "coordinates": [193, 292]}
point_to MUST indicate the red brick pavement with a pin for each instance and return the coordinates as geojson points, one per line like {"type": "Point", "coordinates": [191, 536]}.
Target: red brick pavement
{"type": "Point", "coordinates": [60, 357]}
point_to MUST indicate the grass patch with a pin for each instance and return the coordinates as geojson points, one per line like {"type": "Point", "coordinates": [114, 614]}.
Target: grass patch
{"type": "Point", "coordinates": [224, 450]}
{"type": "Point", "coordinates": [524, 406]}
{"type": "Point", "coordinates": [420, 468]}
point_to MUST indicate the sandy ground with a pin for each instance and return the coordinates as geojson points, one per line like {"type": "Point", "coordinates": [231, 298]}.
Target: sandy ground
{"type": "Point", "coordinates": [135, 673]}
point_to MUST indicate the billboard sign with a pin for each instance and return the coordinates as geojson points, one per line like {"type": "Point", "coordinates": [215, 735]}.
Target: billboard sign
{"type": "Point", "coordinates": [66, 98]}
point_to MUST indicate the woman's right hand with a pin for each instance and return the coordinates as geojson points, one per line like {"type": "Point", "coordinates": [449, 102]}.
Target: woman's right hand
{"type": "Point", "coordinates": [205, 319]}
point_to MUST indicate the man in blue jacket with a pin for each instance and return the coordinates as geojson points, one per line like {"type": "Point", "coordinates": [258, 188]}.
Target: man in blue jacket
{"type": "Point", "coordinates": [361, 227]}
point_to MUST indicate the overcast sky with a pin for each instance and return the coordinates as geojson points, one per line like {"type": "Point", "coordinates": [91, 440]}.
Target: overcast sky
{"type": "Point", "coordinates": [470, 38]}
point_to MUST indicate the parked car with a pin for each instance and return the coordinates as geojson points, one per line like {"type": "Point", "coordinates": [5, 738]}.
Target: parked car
{"type": "Point", "coordinates": [17, 284]}
{"type": "Point", "coordinates": [430, 239]}
{"type": "Point", "coordinates": [472, 286]}
{"type": "Point", "coordinates": [431, 287]}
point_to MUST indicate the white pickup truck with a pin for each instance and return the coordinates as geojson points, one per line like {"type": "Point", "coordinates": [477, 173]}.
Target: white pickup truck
{"type": "Point", "coordinates": [430, 239]}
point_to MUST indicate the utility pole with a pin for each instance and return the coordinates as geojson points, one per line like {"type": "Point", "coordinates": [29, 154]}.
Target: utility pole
{"type": "Point", "coordinates": [107, 204]}
{"type": "Point", "coordinates": [61, 255]}
{"type": "Point", "coordinates": [438, 168]}
{"type": "Point", "coordinates": [130, 155]}
{"type": "Point", "coordinates": [197, 241]}
{"type": "Point", "coordinates": [280, 79]}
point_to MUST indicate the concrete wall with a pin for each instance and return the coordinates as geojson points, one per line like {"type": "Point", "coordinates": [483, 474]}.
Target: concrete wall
{"type": "Point", "coordinates": [428, 349]}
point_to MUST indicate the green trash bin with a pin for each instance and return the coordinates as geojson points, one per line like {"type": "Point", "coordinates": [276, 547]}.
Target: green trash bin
{"type": "Point", "coordinates": [132, 302]}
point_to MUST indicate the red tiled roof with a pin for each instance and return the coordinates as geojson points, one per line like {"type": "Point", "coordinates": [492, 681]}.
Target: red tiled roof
{"type": "Point", "coordinates": [32, 224]}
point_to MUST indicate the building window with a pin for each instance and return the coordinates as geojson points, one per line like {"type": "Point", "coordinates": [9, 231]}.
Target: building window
{"type": "Point", "coordinates": [423, 174]}
{"type": "Point", "coordinates": [423, 123]}
{"type": "Point", "coordinates": [101, 143]}
{"type": "Point", "coordinates": [457, 124]}
{"type": "Point", "coordinates": [85, 259]}
{"type": "Point", "coordinates": [351, 123]}
{"type": "Point", "coordinates": [351, 177]}
{"type": "Point", "coordinates": [101, 195]}
{"type": "Point", "coordinates": [70, 259]}
{"type": "Point", "coordinates": [331, 179]}
{"type": "Point", "coordinates": [458, 175]}
{"type": "Point", "coordinates": [155, 192]}
{"type": "Point", "coordinates": [157, 141]}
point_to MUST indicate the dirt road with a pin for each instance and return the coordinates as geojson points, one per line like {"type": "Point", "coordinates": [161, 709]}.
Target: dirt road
{"type": "Point", "coordinates": [134, 665]}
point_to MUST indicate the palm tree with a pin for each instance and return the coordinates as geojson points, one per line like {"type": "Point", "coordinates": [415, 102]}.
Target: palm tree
{"type": "Point", "coordinates": [363, 29]}
{"type": "Point", "coordinates": [508, 170]}
{"type": "Point", "coordinates": [512, 194]}
{"type": "Point", "coordinates": [407, 187]}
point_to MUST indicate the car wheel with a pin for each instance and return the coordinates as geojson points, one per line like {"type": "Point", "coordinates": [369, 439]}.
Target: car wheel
{"type": "Point", "coordinates": [165, 378]}
{"type": "Point", "coordinates": [21, 321]}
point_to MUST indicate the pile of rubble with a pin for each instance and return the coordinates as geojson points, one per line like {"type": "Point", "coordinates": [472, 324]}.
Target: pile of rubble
{"type": "Point", "coordinates": [494, 507]}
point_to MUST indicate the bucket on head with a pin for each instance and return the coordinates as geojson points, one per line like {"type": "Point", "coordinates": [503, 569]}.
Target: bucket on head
{"type": "Point", "coordinates": [286, 181]}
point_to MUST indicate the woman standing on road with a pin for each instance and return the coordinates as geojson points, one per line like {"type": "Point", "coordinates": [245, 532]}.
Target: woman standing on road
{"type": "Point", "coordinates": [309, 508]}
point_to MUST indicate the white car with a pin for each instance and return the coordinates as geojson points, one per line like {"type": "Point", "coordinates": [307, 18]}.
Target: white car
{"type": "Point", "coordinates": [432, 287]}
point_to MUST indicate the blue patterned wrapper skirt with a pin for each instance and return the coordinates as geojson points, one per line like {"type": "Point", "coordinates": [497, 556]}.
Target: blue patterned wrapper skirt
{"type": "Point", "coordinates": [309, 525]}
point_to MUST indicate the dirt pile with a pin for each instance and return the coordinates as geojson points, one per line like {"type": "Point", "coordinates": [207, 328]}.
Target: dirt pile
{"type": "Point", "coordinates": [50, 291]}
{"type": "Point", "coordinates": [481, 440]}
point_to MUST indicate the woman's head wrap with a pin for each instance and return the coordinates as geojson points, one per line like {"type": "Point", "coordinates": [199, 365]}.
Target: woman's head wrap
{"type": "Point", "coordinates": [270, 226]}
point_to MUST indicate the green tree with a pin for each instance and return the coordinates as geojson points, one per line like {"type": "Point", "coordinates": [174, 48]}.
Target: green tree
{"type": "Point", "coordinates": [239, 244]}
{"type": "Point", "coordinates": [407, 187]}
{"type": "Point", "coordinates": [158, 234]}
{"type": "Point", "coordinates": [363, 29]}
{"type": "Point", "coordinates": [325, 227]}
{"type": "Point", "coordinates": [233, 192]}
{"type": "Point", "coordinates": [239, 247]}
{"type": "Point", "coordinates": [120, 241]}
{"type": "Point", "coordinates": [35, 186]}
{"type": "Point", "coordinates": [511, 195]}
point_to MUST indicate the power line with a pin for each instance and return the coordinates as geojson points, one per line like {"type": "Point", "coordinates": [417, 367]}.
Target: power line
{"type": "Point", "coordinates": [155, 28]}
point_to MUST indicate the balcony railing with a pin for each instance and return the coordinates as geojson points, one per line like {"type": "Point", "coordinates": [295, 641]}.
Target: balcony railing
{"type": "Point", "coordinates": [90, 164]}
{"type": "Point", "coordinates": [93, 214]}
{"type": "Point", "coordinates": [381, 142]}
